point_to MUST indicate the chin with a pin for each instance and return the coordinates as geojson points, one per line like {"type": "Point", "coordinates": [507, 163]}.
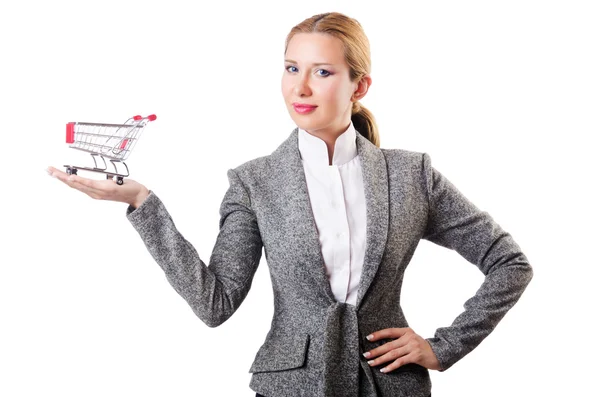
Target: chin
{"type": "Point", "coordinates": [305, 122]}
{"type": "Point", "coordinates": [306, 125]}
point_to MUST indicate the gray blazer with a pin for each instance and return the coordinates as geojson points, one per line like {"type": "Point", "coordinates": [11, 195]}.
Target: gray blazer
{"type": "Point", "coordinates": [315, 343]}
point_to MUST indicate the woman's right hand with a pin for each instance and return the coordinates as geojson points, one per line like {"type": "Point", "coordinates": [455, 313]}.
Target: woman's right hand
{"type": "Point", "coordinates": [130, 192]}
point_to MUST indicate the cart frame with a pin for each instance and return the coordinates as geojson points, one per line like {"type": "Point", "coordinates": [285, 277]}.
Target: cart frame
{"type": "Point", "coordinates": [106, 141]}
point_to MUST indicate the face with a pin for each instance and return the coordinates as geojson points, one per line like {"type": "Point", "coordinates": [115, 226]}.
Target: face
{"type": "Point", "coordinates": [316, 75]}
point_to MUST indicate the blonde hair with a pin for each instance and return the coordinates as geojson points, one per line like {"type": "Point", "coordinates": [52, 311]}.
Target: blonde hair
{"type": "Point", "coordinates": [358, 57]}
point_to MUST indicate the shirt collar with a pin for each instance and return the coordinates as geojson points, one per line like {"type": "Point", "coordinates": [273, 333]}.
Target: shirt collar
{"type": "Point", "coordinates": [314, 150]}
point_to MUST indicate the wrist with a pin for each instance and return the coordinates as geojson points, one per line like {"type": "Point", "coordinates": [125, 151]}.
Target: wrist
{"type": "Point", "coordinates": [140, 198]}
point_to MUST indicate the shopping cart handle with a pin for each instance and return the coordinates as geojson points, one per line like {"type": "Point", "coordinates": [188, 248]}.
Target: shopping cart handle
{"type": "Point", "coordinates": [152, 117]}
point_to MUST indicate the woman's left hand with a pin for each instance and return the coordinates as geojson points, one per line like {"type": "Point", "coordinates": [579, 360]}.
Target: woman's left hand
{"type": "Point", "coordinates": [407, 348]}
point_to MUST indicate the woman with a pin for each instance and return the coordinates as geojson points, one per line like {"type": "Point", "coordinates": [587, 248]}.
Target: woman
{"type": "Point", "coordinates": [339, 219]}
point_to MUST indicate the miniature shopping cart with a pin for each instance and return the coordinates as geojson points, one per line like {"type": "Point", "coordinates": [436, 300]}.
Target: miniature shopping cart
{"type": "Point", "coordinates": [106, 141]}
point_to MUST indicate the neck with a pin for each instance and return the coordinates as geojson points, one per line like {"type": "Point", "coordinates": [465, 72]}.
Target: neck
{"type": "Point", "coordinates": [329, 138]}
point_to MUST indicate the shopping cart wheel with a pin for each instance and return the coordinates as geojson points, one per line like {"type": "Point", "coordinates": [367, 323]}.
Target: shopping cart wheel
{"type": "Point", "coordinates": [71, 171]}
{"type": "Point", "coordinates": [119, 180]}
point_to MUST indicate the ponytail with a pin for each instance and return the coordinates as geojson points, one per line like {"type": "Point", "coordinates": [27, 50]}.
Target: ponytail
{"type": "Point", "coordinates": [364, 122]}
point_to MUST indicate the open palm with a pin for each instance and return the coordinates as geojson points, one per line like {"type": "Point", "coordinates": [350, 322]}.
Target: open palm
{"type": "Point", "coordinates": [130, 192]}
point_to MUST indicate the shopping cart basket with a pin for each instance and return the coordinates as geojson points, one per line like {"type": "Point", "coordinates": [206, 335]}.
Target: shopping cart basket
{"type": "Point", "coordinates": [106, 141]}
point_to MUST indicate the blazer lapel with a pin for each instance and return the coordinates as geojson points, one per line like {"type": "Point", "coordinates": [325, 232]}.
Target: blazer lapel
{"type": "Point", "coordinates": [291, 183]}
{"type": "Point", "coordinates": [375, 181]}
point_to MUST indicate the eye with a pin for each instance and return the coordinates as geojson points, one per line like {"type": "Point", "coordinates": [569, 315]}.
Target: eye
{"type": "Point", "coordinates": [323, 70]}
{"type": "Point", "coordinates": [288, 68]}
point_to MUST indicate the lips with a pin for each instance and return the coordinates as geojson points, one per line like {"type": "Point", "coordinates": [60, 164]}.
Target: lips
{"type": "Point", "coordinates": [303, 108]}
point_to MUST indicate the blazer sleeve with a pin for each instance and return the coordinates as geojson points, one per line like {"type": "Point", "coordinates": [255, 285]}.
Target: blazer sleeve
{"type": "Point", "coordinates": [456, 223]}
{"type": "Point", "coordinates": [214, 292]}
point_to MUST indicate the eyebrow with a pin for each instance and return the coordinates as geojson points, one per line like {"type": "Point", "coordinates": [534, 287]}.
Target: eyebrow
{"type": "Point", "coordinates": [314, 64]}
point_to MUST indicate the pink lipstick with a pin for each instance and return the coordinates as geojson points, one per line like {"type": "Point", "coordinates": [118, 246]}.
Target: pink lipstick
{"type": "Point", "coordinates": [303, 108]}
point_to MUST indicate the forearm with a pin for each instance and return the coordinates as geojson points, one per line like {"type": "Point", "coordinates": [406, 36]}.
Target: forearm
{"type": "Point", "coordinates": [500, 290]}
{"type": "Point", "coordinates": [456, 223]}
{"type": "Point", "coordinates": [213, 300]}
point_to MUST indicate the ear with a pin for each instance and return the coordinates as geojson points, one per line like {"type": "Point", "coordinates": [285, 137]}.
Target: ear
{"type": "Point", "coordinates": [363, 87]}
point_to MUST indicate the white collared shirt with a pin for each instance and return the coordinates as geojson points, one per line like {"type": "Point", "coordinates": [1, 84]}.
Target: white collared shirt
{"type": "Point", "coordinates": [338, 203]}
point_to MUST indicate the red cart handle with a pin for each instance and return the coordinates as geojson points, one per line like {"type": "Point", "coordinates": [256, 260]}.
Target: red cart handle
{"type": "Point", "coordinates": [151, 117]}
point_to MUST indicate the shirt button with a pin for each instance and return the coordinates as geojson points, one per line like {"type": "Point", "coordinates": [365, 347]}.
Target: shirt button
{"type": "Point", "coordinates": [338, 235]}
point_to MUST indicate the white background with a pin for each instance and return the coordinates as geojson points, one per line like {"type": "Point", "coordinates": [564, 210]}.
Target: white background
{"type": "Point", "coordinates": [504, 96]}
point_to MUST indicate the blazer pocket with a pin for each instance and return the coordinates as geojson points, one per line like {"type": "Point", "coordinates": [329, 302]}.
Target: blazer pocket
{"type": "Point", "coordinates": [281, 352]}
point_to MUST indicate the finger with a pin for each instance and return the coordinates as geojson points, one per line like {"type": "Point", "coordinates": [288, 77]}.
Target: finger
{"type": "Point", "coordinates": [55, 172]}
{"type": "Point", "coordinates": [390, 355]}
{"type": "Point", "coordinates": [388, 333]}
{"type": "Point", "coordinates": [96, 189]}
{"type": "Point", "coordinates": [403, 337]}
{"type": "Point", "coordinates": [406, 359]}
{"type": "Point", "coordinates": [63, 176]}
{"type": "Point", "coordinates": [58, 174]}
{"type": "Point", "coordinates": [53, 169]}
{"type": "Point", "coordinates": [86, 183]}
{"type": "Point", "coordinates": [386, 347]}
{"type": "Point", "coordinates": [76, 182]}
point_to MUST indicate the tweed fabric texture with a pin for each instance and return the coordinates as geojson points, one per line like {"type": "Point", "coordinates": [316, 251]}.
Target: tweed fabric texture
{"type": "Point", "coordinates": [314, 345]}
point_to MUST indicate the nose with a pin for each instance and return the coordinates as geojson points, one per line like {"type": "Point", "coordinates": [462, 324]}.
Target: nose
{"type": "Point", "coordinates": [302, 88]}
